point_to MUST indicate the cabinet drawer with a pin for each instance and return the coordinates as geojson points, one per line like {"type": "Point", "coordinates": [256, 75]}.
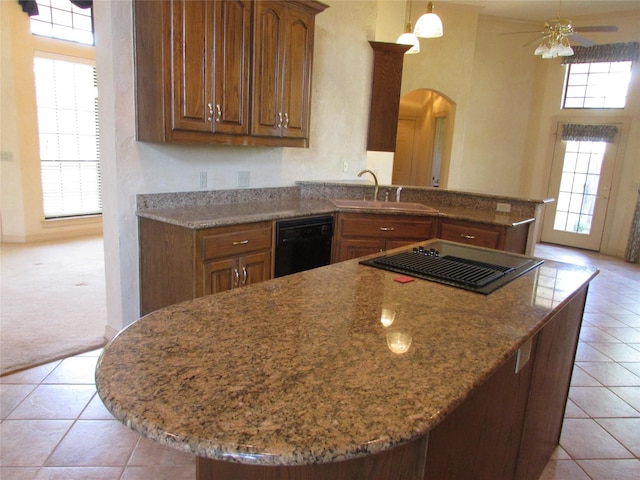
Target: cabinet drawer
{"type": "Point", "coordinates": [386, 226]}
{"type": "Point", "coordinates": [471, 233]}
{"type": "Point", "coordinates": [238, 242]}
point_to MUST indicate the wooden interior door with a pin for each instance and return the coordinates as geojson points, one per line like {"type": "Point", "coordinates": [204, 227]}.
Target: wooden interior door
{"type": "Point", "coordinates": [403, 159]}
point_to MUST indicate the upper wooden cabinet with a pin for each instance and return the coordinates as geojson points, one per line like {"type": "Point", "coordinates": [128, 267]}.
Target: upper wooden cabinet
{"type": "Point", "coordinates": [197, 81]}
{"type": "Point", "coordinates": [385, 95]}
{"type": "Point", "coordinates": [282, 61]}
{"type": "Point", "coordinates": [210, 66]}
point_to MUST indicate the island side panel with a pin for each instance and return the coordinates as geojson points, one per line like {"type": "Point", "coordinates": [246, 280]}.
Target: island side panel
{"type": "Point", "coordinates": [554, 360]}
{"type": "Point", "coordinates": [405, 462]}
{"type": "Point", "coordinates": [480, 438]}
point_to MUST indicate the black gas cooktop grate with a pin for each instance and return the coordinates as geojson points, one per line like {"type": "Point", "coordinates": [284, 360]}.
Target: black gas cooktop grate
{"type": "Point", "coordinates": [461, 271]}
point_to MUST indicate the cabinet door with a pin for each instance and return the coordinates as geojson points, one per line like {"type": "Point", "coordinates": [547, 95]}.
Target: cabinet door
{"type": "Point", "coordinates": [220, 276]}
{"type": "Point", "coordinates": [231, 67]}
{"type": "Point", "coordinates": [254, 268]}
{"type": "Point", "coordinates": [191, 37]}
{"type": "Point", "coordinates": [268, 61]}
{"type": "Point", "coordinates": [350, 248]}
{"type": "Point", "coordinates": [298, 52]}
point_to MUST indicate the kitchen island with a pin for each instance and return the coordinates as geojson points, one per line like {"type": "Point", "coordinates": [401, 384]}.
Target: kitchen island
{"type": "Point", "coordinates": [345, 372]}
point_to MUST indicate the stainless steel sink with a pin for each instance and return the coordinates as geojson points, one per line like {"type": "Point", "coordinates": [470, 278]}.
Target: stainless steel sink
{"type": "Point", "coordinates": [349, 204]}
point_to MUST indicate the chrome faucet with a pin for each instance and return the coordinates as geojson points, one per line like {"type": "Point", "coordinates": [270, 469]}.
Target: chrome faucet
{"type": "Point", "coordinates": [398, 190]}
{"type": "Point", "coordinates": [375, 179]}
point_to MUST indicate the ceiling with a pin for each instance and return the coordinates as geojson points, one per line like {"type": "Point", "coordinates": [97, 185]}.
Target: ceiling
{"type": "Point", "coordinates": [540, 10]}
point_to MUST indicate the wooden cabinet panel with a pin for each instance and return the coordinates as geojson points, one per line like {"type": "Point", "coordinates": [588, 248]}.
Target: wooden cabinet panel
{"type": "Point", "coordinates": [555, 353]}
{"type": "Point", "coordinates": [296, 92]}
{"type": "Point", "coordinates": [283, 51]}
{"type": "Point", "coordinates": [363, 234]}
{"type": "Point", "coordinates": [267, 67]}
{"type": "Point", "coordinates": [230, 241]}
{"type": "Point", "coordinates": [385, 95]}
{"type": "Point", "coordinates": [470, 233]}
{"type": "Point", "coordinates": [222, 275]}
{"type": "Point", "coordinates": [510, 239]}
{"type": "Point", "coordinates": [178, 263]}
{"type": "Point", "coordinates": [349, 248]}
{"type": "Point", "coordinates": [192, 34]}
{"type": "Point", "coordinates": [230, 108]}
{"type": "Point", "coordinates": [194, 69]}
{"type": "Point", "coordinates": [481, 438]}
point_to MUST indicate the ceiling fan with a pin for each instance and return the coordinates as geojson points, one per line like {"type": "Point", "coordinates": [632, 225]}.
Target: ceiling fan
{"type": "Point", "coordinates": [558, 32]}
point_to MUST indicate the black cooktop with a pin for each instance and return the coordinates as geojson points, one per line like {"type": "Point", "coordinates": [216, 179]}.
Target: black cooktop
{"type": "Point", "coordinates": [458, 265]}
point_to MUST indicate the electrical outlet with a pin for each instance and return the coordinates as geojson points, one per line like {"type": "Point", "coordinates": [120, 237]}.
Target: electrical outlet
{"type": "Point", "coordinates": [243, 179]}
{"type": "Point", "coordinates": [345, 166]}
{"type": "Point", "coordinates": [503, 207]}
{"type": "Point", "coordinates": [203, 180]}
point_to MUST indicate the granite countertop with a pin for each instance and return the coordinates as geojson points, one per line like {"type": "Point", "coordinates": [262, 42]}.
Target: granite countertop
{"type": "Point", "coordinates": [298, 370]}
{"type": "Point", "coordinates": [207, 216]}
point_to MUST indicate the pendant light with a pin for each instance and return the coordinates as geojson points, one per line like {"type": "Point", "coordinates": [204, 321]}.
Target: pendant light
{"type": "Point", "coordinates": [409, 38]}
{"type": "Point", "coordinates": [429, 25]}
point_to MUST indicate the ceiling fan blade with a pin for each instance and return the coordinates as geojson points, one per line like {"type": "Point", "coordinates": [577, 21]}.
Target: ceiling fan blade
{"type": "Point", "coordinates": [535, 40]}
{"type": "Point", "coordinates": [596, 28]}
{"type": "Point", "coordinates": [580, 40]}
{"type": "Point", "coordinates": [518, 33]}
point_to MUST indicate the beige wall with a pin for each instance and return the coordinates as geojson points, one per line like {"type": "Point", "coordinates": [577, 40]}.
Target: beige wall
{"type": "Point", "coordinates": [506, 102]}
{"type": "Point", "coordinates": [22, 216]}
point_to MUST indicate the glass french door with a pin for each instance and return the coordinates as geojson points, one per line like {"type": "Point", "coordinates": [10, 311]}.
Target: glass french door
{"type": "Point", "coordinates": [581, 176]}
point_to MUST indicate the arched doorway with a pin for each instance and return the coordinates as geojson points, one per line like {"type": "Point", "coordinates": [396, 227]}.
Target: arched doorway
{"type": "Point", "coordinates": [423, 145]}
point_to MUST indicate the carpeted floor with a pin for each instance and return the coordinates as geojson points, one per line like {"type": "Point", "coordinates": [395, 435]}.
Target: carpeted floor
{"type": "Point", "coordinates": [52, 299]}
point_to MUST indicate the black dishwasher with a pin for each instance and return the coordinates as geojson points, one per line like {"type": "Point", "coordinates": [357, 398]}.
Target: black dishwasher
{"type": "Point", "coordinates": [302, 244]}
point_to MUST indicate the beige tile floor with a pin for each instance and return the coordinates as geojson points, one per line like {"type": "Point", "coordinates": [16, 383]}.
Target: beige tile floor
{"type": "Point", "coordinates": [54, 426]}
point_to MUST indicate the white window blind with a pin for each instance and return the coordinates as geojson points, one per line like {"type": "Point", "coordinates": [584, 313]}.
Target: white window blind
{"type": "Point", "coordinates": [66, 97]}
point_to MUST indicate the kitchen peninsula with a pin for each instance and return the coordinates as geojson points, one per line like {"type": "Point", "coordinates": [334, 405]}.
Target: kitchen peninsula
{"type": "Point", "coordinates": [303, 376]}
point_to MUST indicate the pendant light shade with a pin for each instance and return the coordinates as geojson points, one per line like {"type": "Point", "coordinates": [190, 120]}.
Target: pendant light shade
{"type": "Point", "coordinates": [429, 25]}
{"type": "Point", "coordinates": [408, 38]}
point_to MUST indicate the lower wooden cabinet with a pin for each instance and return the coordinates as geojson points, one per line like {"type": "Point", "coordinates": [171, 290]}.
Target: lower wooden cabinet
{"type": "Point", "coordinates": [358, 235]}
{"type": "Point", "coordinates": [178, 263]}
{"type": "Point", "coordinates": [236, 272]}
{"type": "Point", "coordinates": [511, 239]}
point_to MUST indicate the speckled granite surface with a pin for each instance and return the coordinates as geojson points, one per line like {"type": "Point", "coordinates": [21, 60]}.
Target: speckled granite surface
{"type": "Point", "coordinates": [218, 215]}
{"type": "Point", "coordinates": [297, 370]}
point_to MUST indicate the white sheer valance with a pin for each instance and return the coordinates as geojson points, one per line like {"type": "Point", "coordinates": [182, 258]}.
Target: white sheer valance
{"type": "Point", "coordinates": [611, 52]}
{"type": "Point", "coordinates": [589, 132]}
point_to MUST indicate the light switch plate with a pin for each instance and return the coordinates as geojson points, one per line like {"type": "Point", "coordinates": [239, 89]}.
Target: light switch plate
{"type": "Point", "coordinates": [503, 207]}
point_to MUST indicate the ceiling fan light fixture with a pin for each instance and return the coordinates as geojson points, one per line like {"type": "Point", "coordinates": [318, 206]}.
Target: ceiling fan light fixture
{"type": "Point", "coordinates": [429, 25]}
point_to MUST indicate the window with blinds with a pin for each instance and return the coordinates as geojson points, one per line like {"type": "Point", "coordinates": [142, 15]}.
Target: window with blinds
{"type": "Point", "coordinates": [67, 102]}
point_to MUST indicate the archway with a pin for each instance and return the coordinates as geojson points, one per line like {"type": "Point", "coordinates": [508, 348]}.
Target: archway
{"type": "Point", "coordinates": [423, 145]}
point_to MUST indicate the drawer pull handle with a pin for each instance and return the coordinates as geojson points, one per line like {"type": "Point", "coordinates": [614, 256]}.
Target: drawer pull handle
{"type": "Point", "coordinates": [468, 237]}
{"type": "Point", "coordinates": [244, 276]}
{"type": "Point", "coordinates": [387, 229]}
{"type": "Point", "coordinates": [237, 275]}
{"type": "Point", "coordinates": [243, 242]}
